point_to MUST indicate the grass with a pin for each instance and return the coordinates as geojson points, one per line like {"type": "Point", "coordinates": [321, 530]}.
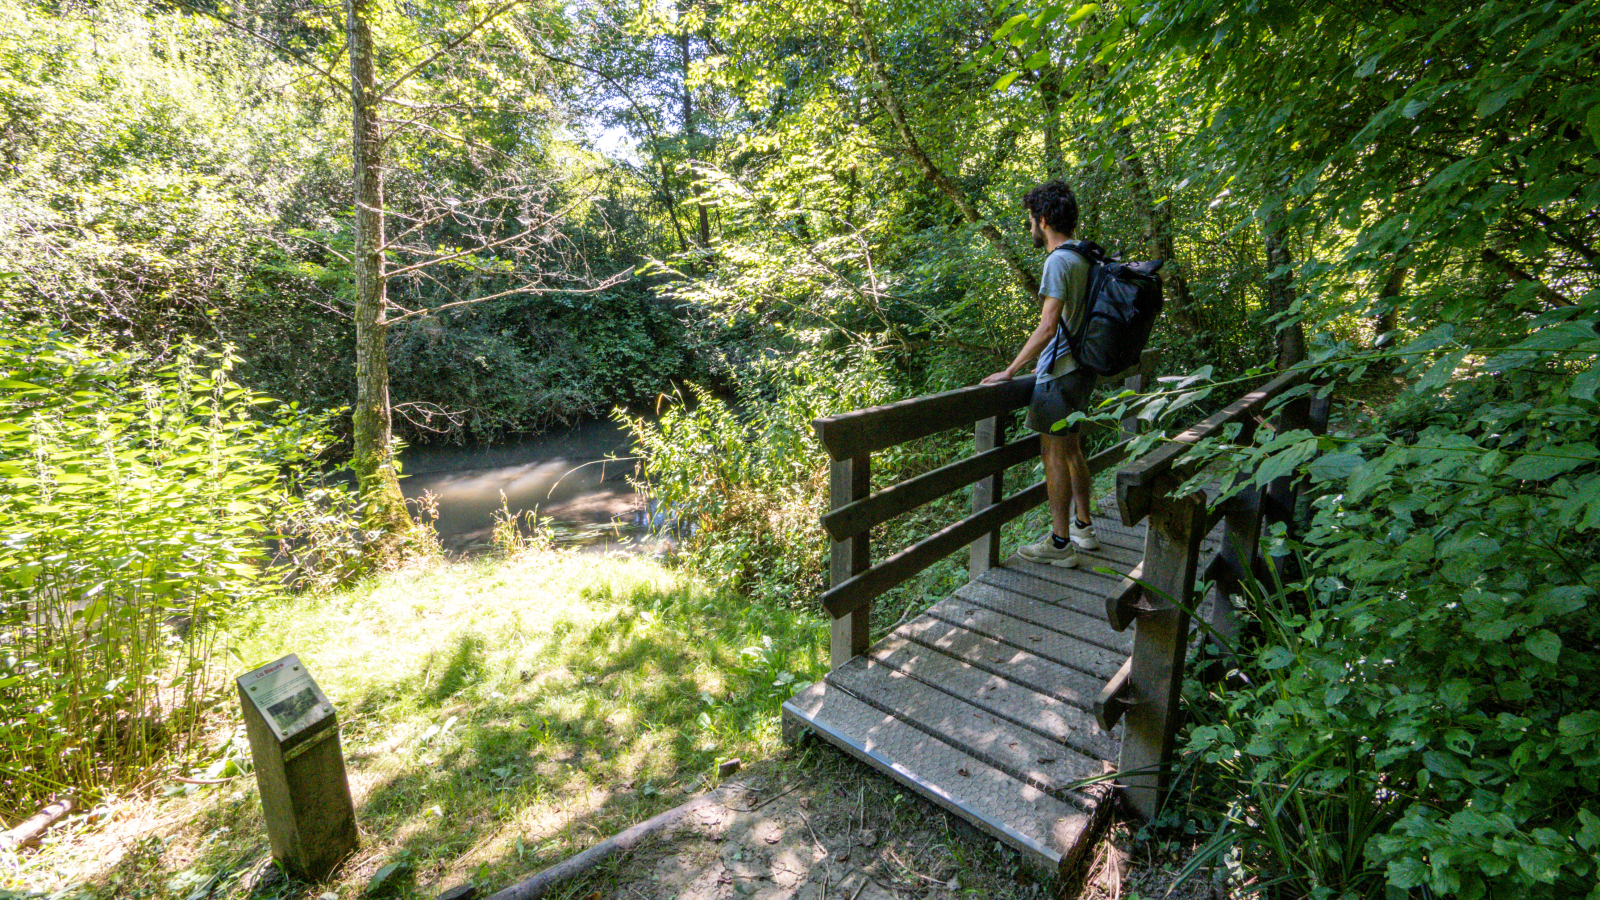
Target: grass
{"type": "Point", "coordinates": [497, 716]}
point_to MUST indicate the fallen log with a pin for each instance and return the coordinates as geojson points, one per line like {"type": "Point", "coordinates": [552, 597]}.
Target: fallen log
{"type": "Point", "coordinates": [543, 882]}
{"type": "Point", "coordinates": [30, 829]}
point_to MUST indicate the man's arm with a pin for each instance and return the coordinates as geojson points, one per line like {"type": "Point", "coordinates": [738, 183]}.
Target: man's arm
{"type": "Point", "coordinates": [1048, 317]}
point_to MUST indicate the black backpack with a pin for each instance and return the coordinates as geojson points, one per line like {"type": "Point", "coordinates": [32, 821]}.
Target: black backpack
{"type": "Point", "coordinates": [1121, 303]}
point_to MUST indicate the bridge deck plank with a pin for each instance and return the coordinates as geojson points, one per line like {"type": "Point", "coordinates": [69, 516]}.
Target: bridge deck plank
{"type": "Point", "coordinates": [984, 703]}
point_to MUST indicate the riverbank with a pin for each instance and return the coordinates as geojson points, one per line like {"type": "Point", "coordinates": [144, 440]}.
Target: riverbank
{"type": "Point", "coordinates": [501, 714]}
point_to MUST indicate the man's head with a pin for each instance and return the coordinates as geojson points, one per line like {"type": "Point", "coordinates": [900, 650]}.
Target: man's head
{"type": "Point", "coordinates": [1051, 204]}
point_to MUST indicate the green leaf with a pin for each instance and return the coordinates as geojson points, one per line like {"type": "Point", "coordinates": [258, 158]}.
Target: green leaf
{"type": "Point", "coordinates": [1585, 385]}
{"type": "Point", "coordinates": [1540, 863]}
{"type": "Point", "coordinates": [1594, 124]}
{"type": "Point", "coordinates": [1589, 836]}
{"type": "Point", "coordinates": [1082, 12]}
{"type": "Point", "coordinates": [1276, 658]}
{"type": "Point", "coordinates": [1496, 101]}
{"type": "Point", "coordinates": [1006, 79]}
{"type": "Point", "coordinates": [1580, 724]}
{"type": "Point", "coordinates": [1335, 466]}
{"type": "Point", "coordinates": [1445, 765]}
{"type": "Point", "coordinates": [1418, 548]}
{"type": "Point", "coordinates": [1011, 23]}
{"type": "Point", "coordinates": [1544, 644]}
{"type": "Point", "coordinates": [1551, 461]}
{"type": "Point", "coordinates": [1038, 59]}
{"type": "Point", "coordinates": [386, 879]}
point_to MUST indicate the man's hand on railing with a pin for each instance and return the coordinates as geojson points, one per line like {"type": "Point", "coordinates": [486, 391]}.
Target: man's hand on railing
{"type": "Point", "coordinates": [998, 377]}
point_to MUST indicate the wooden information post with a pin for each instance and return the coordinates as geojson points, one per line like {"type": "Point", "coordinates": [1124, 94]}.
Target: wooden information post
{"type": "Point", "coordinates": [294, 741]}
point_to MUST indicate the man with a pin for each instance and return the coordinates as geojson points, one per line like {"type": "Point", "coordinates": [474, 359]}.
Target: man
{"type": "Point", "coordinates": [1061, 387]}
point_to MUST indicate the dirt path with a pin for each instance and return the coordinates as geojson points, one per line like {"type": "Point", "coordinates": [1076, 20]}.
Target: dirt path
{"type": "Point", "coordinates": [814, 825]}
{"type": "Point", "coordinates": [780, 835]}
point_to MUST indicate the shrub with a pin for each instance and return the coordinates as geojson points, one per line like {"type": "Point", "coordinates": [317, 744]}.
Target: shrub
{"type": "Point", "coordinates": [134, 508]}
{"type": "Point", "coordinates": [1445, 646]}
{"type": "Point", "coordinates": [748, 485]}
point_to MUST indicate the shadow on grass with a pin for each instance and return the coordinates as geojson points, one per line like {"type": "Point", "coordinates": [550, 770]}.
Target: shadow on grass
{"type": "Point", "coordinates": [563, 733]}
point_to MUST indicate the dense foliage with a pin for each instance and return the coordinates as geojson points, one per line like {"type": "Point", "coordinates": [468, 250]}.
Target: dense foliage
{"type": "Point", "coordinates": [134, 506]}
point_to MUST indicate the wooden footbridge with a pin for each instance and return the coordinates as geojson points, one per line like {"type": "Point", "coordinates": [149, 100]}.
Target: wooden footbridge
{"type": "Point", "coordinates": [1001, 702]}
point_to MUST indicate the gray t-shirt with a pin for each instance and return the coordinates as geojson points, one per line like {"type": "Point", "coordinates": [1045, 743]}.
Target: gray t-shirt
{"type": "Point", "coordinates": [1066, 275]}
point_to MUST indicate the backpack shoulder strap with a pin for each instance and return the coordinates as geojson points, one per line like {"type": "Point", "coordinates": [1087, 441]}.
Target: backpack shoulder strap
{"type": "Point", "coordinates": [1091, 253]}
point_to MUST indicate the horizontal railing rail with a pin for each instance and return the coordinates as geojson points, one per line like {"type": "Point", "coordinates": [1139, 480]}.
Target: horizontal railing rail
{"type": "Point", "coordinates": [1137, 483]}
{"type": "Point", "coordinates": [877, 428]}
{"type": "Point", "coordinates": [854, 518]}
{"type": "Point", "coordinates": [906, 564]}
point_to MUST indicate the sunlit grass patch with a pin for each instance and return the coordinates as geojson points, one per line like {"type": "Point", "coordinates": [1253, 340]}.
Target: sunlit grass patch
{"type": "Point", "coordinates": [496, 715]}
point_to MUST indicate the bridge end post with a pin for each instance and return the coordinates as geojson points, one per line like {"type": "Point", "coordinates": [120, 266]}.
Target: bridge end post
{"type": "Point", "coordinates": [850, 634]}
{"type": "Point", "coordinates": [1137, 382]}
{"type": "Point", "coordinates": [1172, 549]}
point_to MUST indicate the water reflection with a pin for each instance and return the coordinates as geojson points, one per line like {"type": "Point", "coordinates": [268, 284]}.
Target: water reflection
{"type": "Point", "coordinates": [575, 476]}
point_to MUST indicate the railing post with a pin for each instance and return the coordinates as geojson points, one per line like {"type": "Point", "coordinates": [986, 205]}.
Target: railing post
{"type": "Point", "coordinates": [1155, 680]}
{"type": "Point", "coordinates": [850, 480]}
{"type": "Point", "coordinates": [1236, 564]}
{"type": "Point", "coordinates": [1283, 497]}
{"type": "Point", "coordinates": [984, 553]}
{"type": "Point", "coordinates": [1136, 383]}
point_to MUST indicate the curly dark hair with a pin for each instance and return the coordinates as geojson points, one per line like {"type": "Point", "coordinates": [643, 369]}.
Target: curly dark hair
{"type": "Point", "coordinates": [1053, 204]}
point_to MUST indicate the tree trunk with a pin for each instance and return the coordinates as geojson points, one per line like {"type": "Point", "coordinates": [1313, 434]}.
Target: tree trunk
{"type": "Point", "coordinates": [1025, 279]}
{"type": "Point", "coordinates": [1291, 341]}
{"type": "Point", "coordinates": [1158, 234]}
{"type": "Point", "coordinates": [1383, 321]}
{"type": "Point", "coordinates": [1055, 162]}
{"type": "Point", "coordinates": [373, 460]}
{"type": "Point", "coordinates": [691, 142]}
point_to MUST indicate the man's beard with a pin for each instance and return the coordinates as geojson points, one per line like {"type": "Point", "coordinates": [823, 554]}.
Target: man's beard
{"type": "Point", "coordinates": [1038, 240]}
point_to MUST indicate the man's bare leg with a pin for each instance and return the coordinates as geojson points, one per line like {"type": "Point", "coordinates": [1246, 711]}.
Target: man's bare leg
{"type": "Point", "coordinates": [1082, 484]}
{"type": "Point", "coordinates": [1058, 478]}
{"type": "Point", "coordinates": [1067, 482]}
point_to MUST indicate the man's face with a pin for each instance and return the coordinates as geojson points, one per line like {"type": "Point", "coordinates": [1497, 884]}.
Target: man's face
{"type": "Point", "coordinates": [1036, 229]}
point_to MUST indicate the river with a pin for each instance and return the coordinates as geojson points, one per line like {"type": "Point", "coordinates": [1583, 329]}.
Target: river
{"type": "Point", "coordinates": [576, 476]}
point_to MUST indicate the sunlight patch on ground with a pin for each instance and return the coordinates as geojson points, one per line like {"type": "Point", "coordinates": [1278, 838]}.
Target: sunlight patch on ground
{"type": "Point", "coordinates": [496, 715]}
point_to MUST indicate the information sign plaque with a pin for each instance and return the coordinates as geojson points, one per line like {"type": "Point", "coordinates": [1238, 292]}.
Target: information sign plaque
{"type": "Point", "coordinates": [287, 696]}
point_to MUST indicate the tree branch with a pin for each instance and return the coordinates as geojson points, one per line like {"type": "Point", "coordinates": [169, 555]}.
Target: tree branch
{"type": "Point", "coordinates": [342, 88]}
{"type": "Point", "coordinates": [1546, 293]}
{"type": "Point", "coordinates": [446, 48]}
{"type": "Point", "coordinates": [891, 104]}
{"type": "Point", "coordinates": [609, 283]}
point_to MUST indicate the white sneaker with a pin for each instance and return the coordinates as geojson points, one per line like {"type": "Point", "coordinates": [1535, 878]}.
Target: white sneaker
{"type": "Point", "coordinates": [1083, 537]}
{"type": "Point", "coordinates": [1047, 552]}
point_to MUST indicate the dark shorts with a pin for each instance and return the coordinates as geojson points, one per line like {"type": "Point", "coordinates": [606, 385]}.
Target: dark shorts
{"type": "Point", "coordinates": [1054, 400]}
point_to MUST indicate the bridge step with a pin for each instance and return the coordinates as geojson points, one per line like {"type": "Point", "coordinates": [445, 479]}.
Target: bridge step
{"type": "Point", "coordinates": [1050, 828]}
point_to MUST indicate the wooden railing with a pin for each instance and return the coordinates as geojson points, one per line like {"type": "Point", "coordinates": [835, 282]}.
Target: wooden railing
{"type": "Point", "coordinates": [851, 439]}
{"type": "Point", "coordinates": [1144, 693]}
{"type": "Point", "coordinates": [1155, 598]}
